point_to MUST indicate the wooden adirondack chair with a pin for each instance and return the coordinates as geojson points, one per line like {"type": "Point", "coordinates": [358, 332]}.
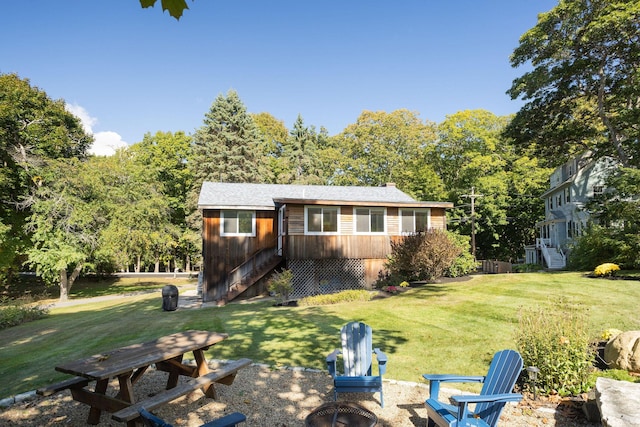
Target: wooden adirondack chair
{"type": "Point", "coordinates": [357, 354]}
{"type": "Point", "coordinates": [497, 389]}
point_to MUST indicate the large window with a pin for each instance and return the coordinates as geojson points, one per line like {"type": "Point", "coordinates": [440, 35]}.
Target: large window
{"type": "Point", "coordinates": [414, 220]}
{"type": "Point", "coordinates": [238, 223]}
{"type": "Point", "coordinates": [370, 220]}
{"type": "Point", "coordinates": [321, 219]}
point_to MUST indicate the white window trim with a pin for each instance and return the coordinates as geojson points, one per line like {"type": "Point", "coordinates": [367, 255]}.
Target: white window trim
{"type": "Point", "coordinates": [253, 224]}
{"type": "Point", "coordinates": [413, 210]}
{"type": "Point", "coordinates": [320, 233]}
{"type": "Point", "coordinates": [355, 220]}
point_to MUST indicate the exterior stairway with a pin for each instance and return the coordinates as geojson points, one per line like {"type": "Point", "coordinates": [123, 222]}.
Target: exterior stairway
{"type": "Point", "coordinates": [250, 273]}
{"type": "Point", "coordinates": [553, 257]}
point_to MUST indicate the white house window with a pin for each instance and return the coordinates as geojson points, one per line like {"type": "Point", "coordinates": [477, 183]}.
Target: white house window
{"type": "Point", "coordinates": [237, 223]}
{"type": "Point", "coordinates": [598, 190]}
{"type": "Point", "coordinates": [414, 220]}
{"type": "Point", "coordinates": [321, 219]}
{"type": "Point", "coordinates": [370, 220]}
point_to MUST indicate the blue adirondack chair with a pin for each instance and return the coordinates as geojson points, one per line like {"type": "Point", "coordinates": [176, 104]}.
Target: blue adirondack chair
{"type": "Point", "coordinates": [231, 420]}
{"type": "Point", "coordinates": [497, 390]}
{"type": "Point", "coordinates": [357, 355]}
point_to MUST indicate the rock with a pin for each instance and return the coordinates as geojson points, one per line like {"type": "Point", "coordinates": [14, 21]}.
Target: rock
{"type": "Point", "coordinates": [623, 352]}
{"type": "Point", "coordinates": [619, 402]}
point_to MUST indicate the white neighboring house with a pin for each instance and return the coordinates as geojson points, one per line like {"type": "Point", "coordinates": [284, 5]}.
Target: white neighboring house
{"type": "Point", "coordinates": [572, 185]}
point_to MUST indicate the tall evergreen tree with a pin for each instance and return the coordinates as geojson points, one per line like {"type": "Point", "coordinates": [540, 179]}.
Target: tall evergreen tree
{"type": "Point", "coordinates": [299, 155]}
{"type": "Point", "coordinates": [225, 148]}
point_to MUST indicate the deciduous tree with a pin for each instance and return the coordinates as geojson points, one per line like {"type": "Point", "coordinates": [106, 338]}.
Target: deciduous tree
{"type": "Point", "coordinates": [583, 90]}
{"type": "Point", "coordinates": [33, 129]}
{"type": "Point", "coordinates": [385, 147]}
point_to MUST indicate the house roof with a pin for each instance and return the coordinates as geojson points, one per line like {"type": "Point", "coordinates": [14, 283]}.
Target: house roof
{"type": "Point", "coordinates": [221, 195]}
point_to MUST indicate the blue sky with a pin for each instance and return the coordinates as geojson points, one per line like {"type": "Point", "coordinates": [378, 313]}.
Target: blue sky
{"type": "Point", "coordinates": [128, 71]}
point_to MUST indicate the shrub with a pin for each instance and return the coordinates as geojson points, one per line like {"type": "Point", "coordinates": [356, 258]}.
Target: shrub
{"type": "Point", "coordinates": [423, 256]}
{"type": "Point", "coordinates": [344, 296]}
{"type": "Point", "coordinates": [281, 284]}
{"type": "Point", "coordinates": [605, 270]}
{"type": "Point", "coordinates": [16, 312]}
{"type": "Point", "coordinates": [557, 342]}
{"type": "Point", "coordinates": [600, 245]}
{"type": "Point", "coordinates": [465, 263]}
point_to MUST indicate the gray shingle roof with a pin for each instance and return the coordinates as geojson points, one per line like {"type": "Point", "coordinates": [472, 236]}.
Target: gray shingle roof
{"type": "Point", "coordinates": [219, 195]}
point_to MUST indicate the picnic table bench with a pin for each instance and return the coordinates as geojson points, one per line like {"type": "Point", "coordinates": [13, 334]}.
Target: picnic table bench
{"type": "Point", "coordinates": [128, 364]}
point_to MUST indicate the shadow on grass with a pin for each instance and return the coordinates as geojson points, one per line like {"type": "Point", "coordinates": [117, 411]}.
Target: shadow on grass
{"type": "Point", "coordinates": [276, 336]}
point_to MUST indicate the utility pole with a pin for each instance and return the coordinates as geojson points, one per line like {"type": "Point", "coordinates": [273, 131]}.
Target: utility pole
{"type": "Point", "coordinates": [473, 196]}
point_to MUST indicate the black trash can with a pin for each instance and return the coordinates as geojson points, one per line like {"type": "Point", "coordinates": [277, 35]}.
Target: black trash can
{"type": "Point", "coordinates": [169, 298]}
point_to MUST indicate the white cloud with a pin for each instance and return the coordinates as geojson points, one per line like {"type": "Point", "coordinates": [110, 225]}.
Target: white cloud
{"type": "Point", "coordinates": [105, 143]}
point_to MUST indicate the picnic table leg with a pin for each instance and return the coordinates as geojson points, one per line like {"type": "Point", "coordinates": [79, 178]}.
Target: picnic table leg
{"type": "Point", "coordinates": [126, 388]}
{"type": "Point", "coordinates": [174, 374]}
{"type": "Point", "coordinates": [94, 413]}
{"type": "Point", "coordinates": [202, 369]}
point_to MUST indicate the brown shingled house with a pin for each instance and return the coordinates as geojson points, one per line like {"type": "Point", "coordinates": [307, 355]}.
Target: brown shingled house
{"type": "Point", "coordinates": [332, 238]}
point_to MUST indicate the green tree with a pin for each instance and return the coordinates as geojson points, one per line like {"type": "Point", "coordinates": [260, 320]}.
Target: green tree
{"type": "Point", "coordinates": [582, 91]}
{"type": "Point", "coordinates": [225, 149]}
{"type": "Point", "coordinates": [471, 153]}
{"type": "Point", "coordinates": [384, 147]}
{"type": "Point", "coordinates": [140, 229]}
{"type": "Point", "coordinates": [33, 130]}
{"type": "Point", "coordinates": [65, 221]}
{"type": "Point", "coordinates": [165, 156]}
{"type": "Point", "coordinates": [299, 156]}
{"type": "Point", "coordinates": [273, 135]}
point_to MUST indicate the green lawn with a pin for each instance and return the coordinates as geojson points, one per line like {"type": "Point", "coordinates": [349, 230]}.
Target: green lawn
{"type": "Point", "coordinates": [450, 327]}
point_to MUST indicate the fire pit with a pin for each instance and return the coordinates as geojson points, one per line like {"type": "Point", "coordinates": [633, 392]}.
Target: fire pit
{"type": "Point", "coordinates": [339, 414]}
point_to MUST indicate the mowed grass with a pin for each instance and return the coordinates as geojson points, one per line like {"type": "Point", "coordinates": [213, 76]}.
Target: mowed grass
{"type": "Point", "coordinates": [452, 327]}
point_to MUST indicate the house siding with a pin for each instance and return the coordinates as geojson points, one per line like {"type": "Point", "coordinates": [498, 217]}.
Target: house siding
{"type": "Point", "coordinates": [223, 254]}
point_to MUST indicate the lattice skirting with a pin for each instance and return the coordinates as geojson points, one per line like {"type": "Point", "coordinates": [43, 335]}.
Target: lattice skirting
{"type": "Point", "coordinates": [326, 276]}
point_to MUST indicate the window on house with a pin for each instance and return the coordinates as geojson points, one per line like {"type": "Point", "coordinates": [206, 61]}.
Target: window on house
{"type": "Point", "coordinates": [321, 219]}
{"type": "Point", "coordinates": [414, 220]}
{"type": "Point", "coordinates": [370, 220]}
{"type": "Point", "coordinates": [238, 223]}
{"type": "Point", "coordinates": [550, 203]}
{"type": "Point", "coordinates": [598, 190]}
{"type": "Point", "coordinates": [567, 194]}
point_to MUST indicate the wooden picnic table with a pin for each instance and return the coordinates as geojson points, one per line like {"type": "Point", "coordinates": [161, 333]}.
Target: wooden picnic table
{"type": "Point", "coordinates": [128, 364]}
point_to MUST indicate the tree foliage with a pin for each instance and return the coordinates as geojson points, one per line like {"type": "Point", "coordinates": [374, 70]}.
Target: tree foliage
{"type": "Point", "coordinates": [385, 147]}
{"type": "Point", "coordinates": [33, 130]}
{"type": "Point", "coordinates": [471, 152]}
{"type": "Point", "coordinates": [225, 149]}
{"type": "Point", "coordinates": [65, 222]}
{"type": "Point", "coordinates": [583, 90]}
{"type": "Point", "coordinates": [174, 7]}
